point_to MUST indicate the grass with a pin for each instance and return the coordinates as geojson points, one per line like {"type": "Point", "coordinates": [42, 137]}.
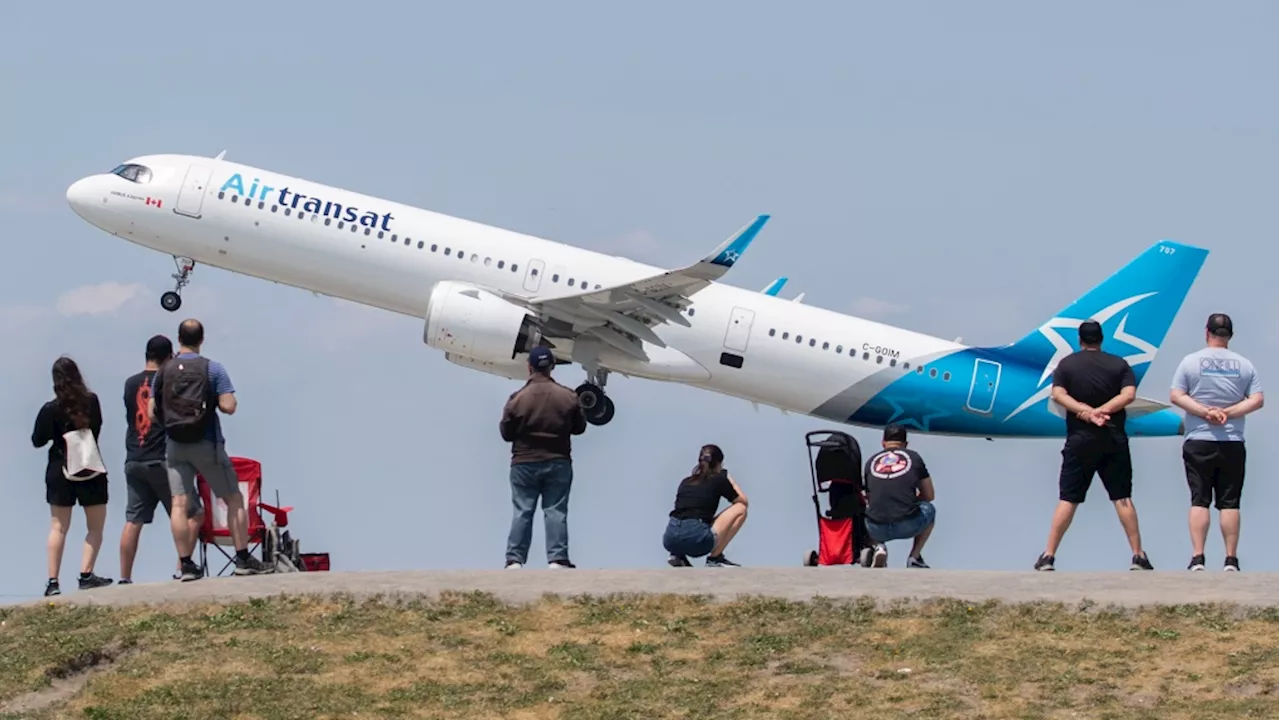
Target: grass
{"type": "Point", "coordinates": [470, 656]}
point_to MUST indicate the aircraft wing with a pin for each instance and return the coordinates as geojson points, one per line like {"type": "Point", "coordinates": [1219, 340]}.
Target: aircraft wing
{"type": "Point", "coordinates": [1145, 406]}
{"type": "Point", "coordinates": [774, 287]}
{"type": "Point", "coordinates": [620, 314]}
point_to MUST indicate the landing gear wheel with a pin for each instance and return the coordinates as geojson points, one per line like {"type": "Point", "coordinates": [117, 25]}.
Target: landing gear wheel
{"type": "Point", "coordinates": [811, 558]}
{"type": "Point", "coordinates": [172, 300]}
{"type": "Point", "coordinates": [595, 404]}
{"type": "Point", "coordinates": [604, 413]}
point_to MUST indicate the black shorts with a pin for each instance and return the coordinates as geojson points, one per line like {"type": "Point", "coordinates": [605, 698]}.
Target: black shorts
{"type": "Point", "coordinates": [1215, 472]}
{"type": "Point", "coordinates": [1086, 454]}
{"type": "Point", "coordinates": [62, 492]}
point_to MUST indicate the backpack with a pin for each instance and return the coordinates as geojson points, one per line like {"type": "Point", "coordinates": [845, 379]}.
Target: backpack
{"type": "Point", "coordinates": [186, 398]}
{"type": "Point", "coordinates": [84, 461]}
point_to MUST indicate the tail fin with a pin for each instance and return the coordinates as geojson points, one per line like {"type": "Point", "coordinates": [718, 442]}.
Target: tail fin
{"type": "Point", "coordinates": [1135, 307]}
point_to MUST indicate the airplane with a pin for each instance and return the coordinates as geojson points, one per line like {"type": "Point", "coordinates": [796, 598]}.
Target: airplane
{"type": "Point", "coordinates": [486, 296]}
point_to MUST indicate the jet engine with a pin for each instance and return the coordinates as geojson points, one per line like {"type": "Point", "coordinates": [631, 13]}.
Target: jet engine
{"type": "Point", "coordinates": [467, 322]}
{"type": "Point", "coordinates": [510, 369]}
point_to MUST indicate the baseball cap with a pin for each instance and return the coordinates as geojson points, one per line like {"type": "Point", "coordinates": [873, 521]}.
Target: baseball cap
{"type": "Point", "coordinates": [1220, 324]}
{"type": "Point", "coordinates": [895, 433]}
{"type": "Point", "coordinates": [540, 358]}
{"type": "Point", "coordinates": [1090, 332]}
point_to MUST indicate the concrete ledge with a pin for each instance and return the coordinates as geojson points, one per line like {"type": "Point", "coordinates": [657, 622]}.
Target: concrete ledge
{"type": "Point", "coordinates": [1123, 589]}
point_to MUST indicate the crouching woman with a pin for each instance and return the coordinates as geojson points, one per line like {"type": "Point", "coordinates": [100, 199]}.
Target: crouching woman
{"type": "Point", "coordinates": [694, 529]}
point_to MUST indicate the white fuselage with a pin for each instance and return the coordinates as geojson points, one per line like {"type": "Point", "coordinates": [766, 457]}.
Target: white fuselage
{"type": "Point", "coordinates": [394, 260]}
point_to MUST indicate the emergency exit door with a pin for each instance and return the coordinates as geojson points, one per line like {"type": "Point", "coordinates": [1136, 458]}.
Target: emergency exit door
{"type": "Point", "coordinates": [986, 382]}
{"type": "Point", "coordinates": [191, 196]}
{"type": "Point", "coordinates": [739, 331]}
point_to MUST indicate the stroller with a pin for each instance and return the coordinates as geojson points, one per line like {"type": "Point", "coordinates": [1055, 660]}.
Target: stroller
{"type": "Point", "coordinates": [837, 471]}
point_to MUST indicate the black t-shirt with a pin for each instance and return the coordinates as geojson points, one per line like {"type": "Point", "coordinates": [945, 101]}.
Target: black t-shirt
{"type": "Point", "coordinates": [52, 422]}
{"type": "Point", "coordinates": [1093, 377]}
{"type": "Point", "coordinates": [699, 500]}
{"type": "Point", "coordinates": [892, 477]}
{"type": "Point", "coordinates": [144, 438]}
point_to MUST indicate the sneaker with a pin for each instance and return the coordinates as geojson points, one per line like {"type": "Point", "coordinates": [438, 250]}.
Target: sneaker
{"type": "Point", "coordinates": [52, 588]}
{"type": "Point", "coordinates": [720, 561]}
{"type": "Point", "coordinates": [678, 561]}
{"type": "Point", "coordinates": [190, 571]}
{"type": "Point", "coordinates": [250, 566]}
{"type": "Point", "coordinates": [916, 562]}
{"type": "Point", "coordinates": [513, 565]}
{"type": "Point", "coordinates": [864, 557]}
{"type": "Point", "coordinates": [560, 565]}
{"type": "Point", "coordinates": [124, 581]}
{"type": "Point", "coordinates": [881, 557]}
{"type": "Point", "coordinates": [1231, 564]}
{"type": "Point", "coordinates": [1197, 563]}
{"type": "Point", "coordinates": [1045, 563]}
{"type": "Point", "coordinates": [1140, 562]}
{"type": "Point", "coordinates": [89, 581]}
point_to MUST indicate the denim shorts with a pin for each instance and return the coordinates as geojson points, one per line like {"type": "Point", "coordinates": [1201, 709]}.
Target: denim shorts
{"type": "Point", "coordinates": [904, 529]}
{"type": "Point", "coordinates": [689, 537]}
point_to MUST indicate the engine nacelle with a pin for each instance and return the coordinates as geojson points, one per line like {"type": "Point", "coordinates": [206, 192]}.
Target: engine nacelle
{"type": "Point", "coordinates": [511, 369]}
{"type": "Point", "coordinates": [468, 322]}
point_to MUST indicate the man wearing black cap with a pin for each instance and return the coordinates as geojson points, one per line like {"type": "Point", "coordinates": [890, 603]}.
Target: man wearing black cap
{"type": "Point", "coordinates": [538, 421]}
{"type": "Point", "coordinates": [899, 498]}
{"type": "Point", "coordinates": [1216, 387]}
{"type": "Point", "coordinates": [145, 472]}
{"type": "Point", "coordinates": [1093, 387]}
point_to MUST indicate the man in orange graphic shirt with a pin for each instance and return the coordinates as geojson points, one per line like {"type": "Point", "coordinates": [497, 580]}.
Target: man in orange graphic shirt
{"type": "Point", "coordinates": [146, 476]}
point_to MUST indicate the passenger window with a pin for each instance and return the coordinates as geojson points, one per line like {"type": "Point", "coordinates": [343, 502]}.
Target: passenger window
{"type": "Point", "coordinates": [812, 342]}
{"type": "Point", "coordinates": [946, 377]}
{"type": "Point", "coordinates": [533, 272]}
{"type": "Point", "coordinates": [772, 332]}
{"type": "Point", "coordinates": [786, 335]}
{"type": "Point", "coordinates": [474, 257]}
{"type": "Point", "coordinates": [879, 359]}
{"type": "Point", "coordinates": [570, 282]}
{"type": "Point", "coordinates": [799, 339]}
{"type": "Point", "coordinates": [826, 345]}
{"type": "Point", "coordinates": [434, 247]}
{"type": "Point", "coordinates": [515, 267]}
{"type": "Point", "coordinates": [487, 261]}
{"type": "Point", "coordinates": [501, 263]}
{"type": "Point", "coordinates": [839, 349]}
{"type": "Point", "coordinates": [420, 244]}
{"type": "Point", "coordinates": [893, 361]}
{"type": "Point", "coordinates": [447, 251]}
{"type": "Point", "coordinates": [584, 285]}
{"type": "Point", "coordinates": [933, 372]}
{"type": "Point", "coordinates": [866, 356]}
{"type": "Point", "coordinates": [555, 277]}
{"type": "Point", "coordinates": [690, 312]}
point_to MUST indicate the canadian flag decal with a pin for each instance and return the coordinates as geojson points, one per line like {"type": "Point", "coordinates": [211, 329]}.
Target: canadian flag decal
{"type": "Point", "coordinates": [154, 201]}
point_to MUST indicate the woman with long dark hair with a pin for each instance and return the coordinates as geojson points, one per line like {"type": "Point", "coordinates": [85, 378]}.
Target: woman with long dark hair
{"type": "Point", "coordinates": [73, 408]}
{"type": "Point", "coordinates": [694, 529]}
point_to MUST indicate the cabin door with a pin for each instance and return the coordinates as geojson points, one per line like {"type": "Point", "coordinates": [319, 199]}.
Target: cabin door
{"type": "Point", "coordinates": [191, 196]}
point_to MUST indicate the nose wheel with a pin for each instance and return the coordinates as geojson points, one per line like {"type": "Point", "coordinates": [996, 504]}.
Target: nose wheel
{"type": "Point", "coordinates": [597, 406]}
{"type": "Point", "coordinates": [172, 300]}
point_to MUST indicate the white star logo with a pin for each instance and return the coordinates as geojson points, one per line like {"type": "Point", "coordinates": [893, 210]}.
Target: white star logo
{"type": "Point", "coordinates": [731, 256]}
{"type": "Point", "coordinates": [1062, 347]}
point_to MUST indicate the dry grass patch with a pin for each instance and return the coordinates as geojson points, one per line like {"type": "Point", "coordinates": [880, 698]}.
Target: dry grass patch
{"type": "Point", "coordinates": [470, 656]}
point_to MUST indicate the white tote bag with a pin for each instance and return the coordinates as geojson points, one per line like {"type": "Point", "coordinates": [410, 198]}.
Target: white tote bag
{"type": "Point", "coordinates": [84, 462]}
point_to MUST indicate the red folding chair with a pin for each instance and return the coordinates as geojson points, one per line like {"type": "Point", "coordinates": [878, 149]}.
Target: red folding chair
{"type": "Point", "coordinates": [215, 530]}
{"type": "Point", "coordinates": [274, 544]}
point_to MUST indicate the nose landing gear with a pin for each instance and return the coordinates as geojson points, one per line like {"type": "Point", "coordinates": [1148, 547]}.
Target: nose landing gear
{"type": "Point", "coordinates": [172, 300]}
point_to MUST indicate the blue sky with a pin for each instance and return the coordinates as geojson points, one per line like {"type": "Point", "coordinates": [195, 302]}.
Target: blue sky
{"type": "Point", "coordinates": [957, 169]}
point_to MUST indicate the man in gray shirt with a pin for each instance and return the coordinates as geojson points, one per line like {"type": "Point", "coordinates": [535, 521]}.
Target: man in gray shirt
{"type": "Point", "coordinates": [1217, 387]}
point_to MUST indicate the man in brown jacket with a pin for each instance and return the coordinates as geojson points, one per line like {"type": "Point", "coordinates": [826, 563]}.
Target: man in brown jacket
{"type": "Point", "coordinates": [538, 421]}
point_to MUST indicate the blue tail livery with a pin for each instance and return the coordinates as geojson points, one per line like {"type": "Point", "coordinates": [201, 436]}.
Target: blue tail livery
{"type": "Point", "coordinates": [1004, 391]}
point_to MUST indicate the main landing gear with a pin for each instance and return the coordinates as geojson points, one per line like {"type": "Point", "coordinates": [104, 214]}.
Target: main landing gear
{"type": "Point", "coordinates": [172, 300]}
{"type": "Point", "coordinates": [595, 404]}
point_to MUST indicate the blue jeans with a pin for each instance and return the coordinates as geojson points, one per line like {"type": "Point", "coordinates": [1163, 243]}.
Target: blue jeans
{"type": "Point", "coordinates": [549, 480]}
{"type": "Point", "coordinates": [689, 537]}
{"type": "Point", "coordinates": [905, 529]}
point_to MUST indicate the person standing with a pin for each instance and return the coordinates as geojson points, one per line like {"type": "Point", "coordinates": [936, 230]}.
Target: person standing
{"type": "Point", "coordinates": [1216, 387]}
{"type": "Point", "coordinates": [899, 498]}
{"type": "Point", "coordinates": [538, 420]}
{"type": "Point", "coordinates": [75, 473]}
{"type": "Point", "coordinates": [1094, 387]}
{"type": "Point", "coordinates": [145, 473]}
{"type": "Point", "coordinates": [187, 394]}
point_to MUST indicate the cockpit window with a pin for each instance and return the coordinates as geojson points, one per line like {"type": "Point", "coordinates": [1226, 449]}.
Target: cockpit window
{"type": "Point", "coordinates": [133, 173]}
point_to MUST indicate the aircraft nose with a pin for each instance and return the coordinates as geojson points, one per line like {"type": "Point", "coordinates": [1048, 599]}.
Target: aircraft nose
{"type": "Point", "coordinates": [80, 195]}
